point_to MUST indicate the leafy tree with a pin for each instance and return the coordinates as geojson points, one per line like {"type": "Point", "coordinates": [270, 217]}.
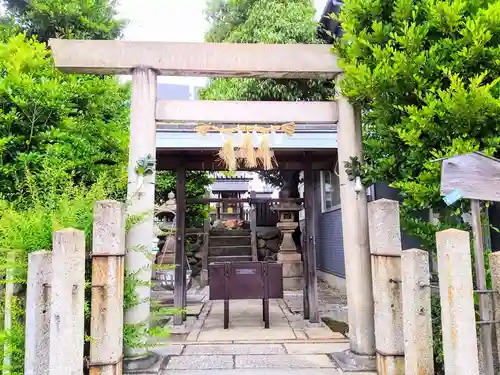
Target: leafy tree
{"type": "Point", "coordinates": [63, 138]}
{"type": "Point", "coordinates": [196, 184]}
{"type": "Point", "coordinates": [55, 203]}
{"type": "Point", "coordinates": [426, 75]}
{"type": "Point", "coordinates": [77, 123]}
{"type": "Point", "coordinates": [68, 19]}
{"type": "Point", "coordinates": [260, 21]}
{"type": "Point", "coordinates": [264, 21]}
{"type": "Point", "coordinates": [224, 16]}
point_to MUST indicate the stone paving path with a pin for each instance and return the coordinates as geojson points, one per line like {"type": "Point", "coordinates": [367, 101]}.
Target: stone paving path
{"type": "Point", "coordinates": [290, 346]}
{"type": "Point", "coordinates": [331, 303]}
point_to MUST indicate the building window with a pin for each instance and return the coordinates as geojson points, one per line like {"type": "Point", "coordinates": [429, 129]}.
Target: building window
{"type": "Point", "coordinates": [330, 191]}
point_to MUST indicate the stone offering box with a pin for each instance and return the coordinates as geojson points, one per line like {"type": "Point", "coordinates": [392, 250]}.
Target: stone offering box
{"type": "Point", "coordinates": [245, 280]}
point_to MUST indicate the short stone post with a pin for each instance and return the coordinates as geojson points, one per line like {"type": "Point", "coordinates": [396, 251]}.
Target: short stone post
{"type": "Point", "coordinates": [417, 318]}
{"type": "Point", "coordinates": [457, 302]}
{"type": "Point", "coordinates": [385, 245]}
{"type": "Point", "coordinates": [67, 303]}
{"type": "Point", "coordinates": [495, 278]}
{"type": "Point", "coordinates": [108, 272]}
{"type": "Point", "coordinates": [36, 360]}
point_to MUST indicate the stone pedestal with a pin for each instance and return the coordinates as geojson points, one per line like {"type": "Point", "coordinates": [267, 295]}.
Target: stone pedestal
{"type": "Point", "coordinates": [288, 256]}
{"type": "Point", "coordinates": [165, 219]}
{"type": "Point", "coordinates": [167, 254]}
{"type": "Point", "coordinates": [292, 270]}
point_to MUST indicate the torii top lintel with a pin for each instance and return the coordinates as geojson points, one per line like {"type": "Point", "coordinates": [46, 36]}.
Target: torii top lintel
{"type": "Point", "coordinates": [307, 61]}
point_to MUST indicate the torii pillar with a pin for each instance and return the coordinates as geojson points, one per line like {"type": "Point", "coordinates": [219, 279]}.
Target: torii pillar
{"type": "Point", "coordinates": [139, 238]}
{"type": "Point", "coordinates": [357, 258]}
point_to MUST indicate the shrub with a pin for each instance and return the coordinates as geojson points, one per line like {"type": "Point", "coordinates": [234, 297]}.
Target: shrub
{"type": "Point", "coordinates": [55, 203]}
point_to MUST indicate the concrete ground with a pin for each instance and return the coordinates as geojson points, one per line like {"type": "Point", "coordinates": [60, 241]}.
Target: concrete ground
{"type": "Point", "coordinates": [290, 346]}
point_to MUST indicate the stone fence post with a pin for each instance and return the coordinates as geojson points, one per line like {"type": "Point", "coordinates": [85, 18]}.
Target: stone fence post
{"type": "Point", "coordinates": [67, 303]}
{"type": "Point", "coordinates": [495, 279]}
{"type": "Point", "coordinates": [36, 360]}
{"type": "Point", "coordinates": [385, 247]}
{"type": "Point", "coordinates": [108, 274]}
{"type": "Point", "coordinates": [457, 302]}
{"type": "Point", "coordinates": [417, 318]}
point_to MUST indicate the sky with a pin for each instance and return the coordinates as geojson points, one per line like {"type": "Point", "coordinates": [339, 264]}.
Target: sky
{"type": "Point", "coordinates": [170, 21]}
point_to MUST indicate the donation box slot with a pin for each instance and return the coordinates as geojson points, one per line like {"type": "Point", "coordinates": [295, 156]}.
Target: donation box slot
{"type": "Point", "coordinates": [246, 281]}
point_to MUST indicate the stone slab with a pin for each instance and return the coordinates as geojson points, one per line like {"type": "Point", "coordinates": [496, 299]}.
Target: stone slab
{"type": "Point", "coordinates": [167, 298]}
{"type": "Point", "coordinates": [293, 283]}
{"type": "Point", "coordinates": [300, 334]}
{"type": "Point", "coordinates": [257, 324]}
{"type": "Point", "coordinates": [244, 307]}
{"type": "Point", "coordinates": [183, 329]}
{"type": "Point", "coordinates": [255, 321]}
{"type": "Point", "coordinates": [234, 349]}
{"type": "Point", "coordinates": [350, 362]}
{"type": "Point", "coordinates": [214, 342]}
{"type": "Point", "coordinates": [293, 341]}
{"type": "Point", "coordinates": [248, 333]}
{"type": "Point", "coordinates": [322, 333]}
{"type": "Point", "coordinates": [193, 335]}
{"type": "Point", "coordinates": [283, 361]}
{"type": "Point", "coordinates": [194, 309]}
{"type": "Point", "coordinates": [172, 349]}
{"type": "Point", "coordinates": [316, 348]}
{"type": "Point", "coordinates": [200, 362]}
{"type": "Point", "coordinates": [297, 324]}
{"type": "Point", "coordinates": [150, 365]}
{"type": "Point", "coordinates": [319, 371]}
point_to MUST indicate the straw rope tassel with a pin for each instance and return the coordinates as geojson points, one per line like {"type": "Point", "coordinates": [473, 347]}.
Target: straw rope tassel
{"type": "Point", "coordinates": [251, 157]}
{"type": "Point", "coordinates": [288, 128]}
{"type": "Point", "coordinates": [247, 151]}
{"type": "Point", "coordinates": [265, 153]}
{"type": "Point", "coordinates": [228, 155]}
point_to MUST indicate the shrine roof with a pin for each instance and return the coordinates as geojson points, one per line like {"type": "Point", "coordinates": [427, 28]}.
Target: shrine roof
{"type": "Point", "coordinates": [306, 137]}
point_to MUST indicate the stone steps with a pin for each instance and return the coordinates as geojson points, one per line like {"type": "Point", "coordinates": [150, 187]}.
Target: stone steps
{"type": "Point", "coordinates": [241, 240]}
{"type": "Point", "coordinates": [230, 258]}
{"type": "Point", "coordinates": [229, 250]}
{"type": "Point", "coordinates": [230, 245]}
{"type": "Point", "coordinates": [229, 232]}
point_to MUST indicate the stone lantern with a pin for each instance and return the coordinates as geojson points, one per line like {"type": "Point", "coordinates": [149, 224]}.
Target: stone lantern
{"type": "Point", "coordinates": [165, 226]}
{"type": "Point", "coordinates": [288, 255]}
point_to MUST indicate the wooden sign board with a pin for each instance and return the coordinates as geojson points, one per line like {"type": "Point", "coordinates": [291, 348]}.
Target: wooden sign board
{"type": "Point", "coordinates": [474, 176]}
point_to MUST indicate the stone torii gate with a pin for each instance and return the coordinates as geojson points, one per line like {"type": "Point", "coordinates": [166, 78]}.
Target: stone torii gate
{"type": "Point", "coordinates": [147, 60]}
